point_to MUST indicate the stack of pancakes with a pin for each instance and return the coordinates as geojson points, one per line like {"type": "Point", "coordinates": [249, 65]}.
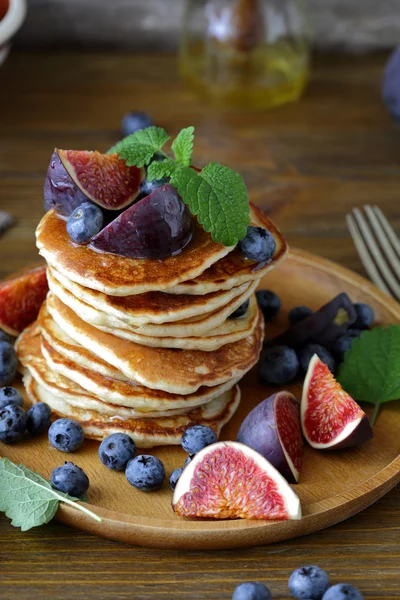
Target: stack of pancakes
{"type": "Point", "coordinates": [144, 346]}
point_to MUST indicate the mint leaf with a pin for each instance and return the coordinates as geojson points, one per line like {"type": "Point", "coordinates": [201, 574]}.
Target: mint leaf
{"type": "Point", "coordinates": [138, 149]}
{"type": "Point", "coordinates": [183, 146]}
{"type": "Point", "coordinates": [370, 371]}
{"type": "Point", "coordinates": [28, 499]}
{"type": "Point", "coordinates": [158, 170]}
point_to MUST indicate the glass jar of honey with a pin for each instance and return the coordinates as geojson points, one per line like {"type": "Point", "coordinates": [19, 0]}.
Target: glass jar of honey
{"type": "Point", "coordinates": [246, 53]}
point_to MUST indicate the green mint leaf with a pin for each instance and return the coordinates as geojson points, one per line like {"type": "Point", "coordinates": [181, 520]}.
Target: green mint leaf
{"type": "Point", "coordinates": [183, 146]}
{"type": "Point", "coordinates": [229, 216]}
{"type": "Point", "coordinates": [159, 170]}
{"type": "Point", "coordinates": [218, 197]}
{"type": "Point", "coordinates": [138, 149]}
{"type": "Point", "coordinates": [28, 499]}
{"type": "Point", "coordinates": [370, 371]}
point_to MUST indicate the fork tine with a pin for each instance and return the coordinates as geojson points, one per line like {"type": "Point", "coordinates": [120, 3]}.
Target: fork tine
{"type": "Point", "coordinates": [376, 253]}
{"type": "Point", "coordinates": [388, 229]}
{"type": "Point", "coordinates": [383, 240]}
{"type": "Point", "coordinates": [364, 255]}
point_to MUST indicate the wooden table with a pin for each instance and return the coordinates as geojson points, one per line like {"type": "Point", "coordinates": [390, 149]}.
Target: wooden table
{"type": "Point", "coordinates": [309, 163]}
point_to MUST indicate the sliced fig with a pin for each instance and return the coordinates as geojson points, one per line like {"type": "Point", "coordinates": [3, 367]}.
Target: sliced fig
{"type": "Point", "coordinates": [323, 327]}
{"type": "Point", "coordinates": [21, 298]}
{"type": "Point", "coordinates": [330, 418]}
{"type": "Point", "coordinates": [103, 178]}
{"type": "Point", "coordinates": [60, 192]}
{"type": "Point", "coordinates": [158, 226]}
{"type": "Point", "coordinates": [229, 480]}
{"type": "Point", "coordinates": [273, 429]}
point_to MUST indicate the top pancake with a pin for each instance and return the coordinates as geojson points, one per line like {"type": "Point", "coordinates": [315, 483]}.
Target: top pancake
{"type": "Point", "coordinates": [121, 276]}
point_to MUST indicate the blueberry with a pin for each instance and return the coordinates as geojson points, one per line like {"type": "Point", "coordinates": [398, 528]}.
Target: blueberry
{"type": "Point", "coordinates": [70, 479]}
{"type": "Point", "coordinates": [343, 591]}
{"type": "Point", "coordinates": [341, 346]}
{"type": "Point", "coordinates": [259, 244]}
{"type": "Point", "coordinates": [391, 84]}
{"type": "Point", "coordinates": [147, 187]}
{"type": "Point", "coordinates": [251, 590]}
{"type": "Point", "coordinates": [116, 451]}
{"type": "Point", "coordinates": [9, 395]}
{"type": "Point", "coordinates": [8, 363]}
{"type": "Point", "coordinates": [13, 421]}
{"type": "Point", "coordinates": [365, 316]}
{"type": "Point", "coordinates": [66, 435]}
{"type": "Point", "coordinates": [308, 582]}
{"type": "Point", "coordinates": [39, 417]}
{"type": "Point", "coordinates": [188, 460]}
{"type": "Point", "coordinates": [269, 303]}
{"type": "Point", "coordinates": [306, 354]}
{"type": "Point", "coordinates": [353, 332]}
{"type": "Point", "coordinates": [145, 473]}
{"type": "Point", "coordinates": [173, 480]}
{"type": "Point", "coordinates": [197, 437]}
{"type": "Point", "coordinates": [4, 337]}
{"type": "Point", "coordinates": [298, 313]}
{"type": "Point", "coordinates": [240, 311]}
{"type": "Point", "coordinates": [278, 364]}
{"type": "Point", "coordinates": [84, 223]}
{"type": "Point", "coordinates": [135, 121]}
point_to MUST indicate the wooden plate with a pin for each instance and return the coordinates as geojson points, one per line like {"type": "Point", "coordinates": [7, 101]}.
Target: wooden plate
{"type": "Point", "coordinates": [334, 485]}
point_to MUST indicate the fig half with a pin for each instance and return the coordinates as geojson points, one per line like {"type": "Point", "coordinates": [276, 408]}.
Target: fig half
{"type": "Point", "coordinates": [330, 418]}
{"type": "Point", "coordinates": [273, 429]}
{"type": "Point", "coordinates": [228, 480]}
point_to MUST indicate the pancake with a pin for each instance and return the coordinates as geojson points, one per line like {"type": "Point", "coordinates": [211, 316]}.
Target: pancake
{"type": "Point", "coordinates": [78, 364]}
{"type": "Point", "coordinates": [174, 371]}
{"type": "Point", "coordinates": [121, 276]}
{"type": "Point", "coordinates": [231, 330]}
{"type": "Point", "coordinates": [153, 307]}
{"type": "Point", "coordinates": [193, 327]}
{"type": "Point", "coordinates": [234, 269]}
{"type": "Point", "coordinates": [146, 433]}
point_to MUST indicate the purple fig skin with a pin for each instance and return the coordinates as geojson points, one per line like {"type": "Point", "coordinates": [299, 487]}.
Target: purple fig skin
{"type": "Point", "coordinates": [158, 226]}
{"type": "Point", "coordinates": [323, 327]}
{"type": "Point", "coordinates": [60, 192]}
{"type": "Point", "coordinates": [259, 432]}
{"type": "Point", "coordinates": [362, 433]}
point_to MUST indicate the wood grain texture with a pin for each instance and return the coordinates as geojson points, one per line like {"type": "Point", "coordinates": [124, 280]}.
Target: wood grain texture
{"type": "Point", "coordinates": [311, 162]}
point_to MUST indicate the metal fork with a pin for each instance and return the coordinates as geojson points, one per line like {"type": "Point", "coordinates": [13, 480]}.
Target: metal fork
{"type": "Point", "coordinates": [378, 246]}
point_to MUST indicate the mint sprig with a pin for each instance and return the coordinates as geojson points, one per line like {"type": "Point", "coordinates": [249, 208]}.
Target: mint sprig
{"type": "Point", "coordinates": [370, 371]}
{"type": "Point", "coordinates": [139, 148]}
{"type": "Point", "coordinates": [217, 195]}
{"type": "Point", "coordinates": [28, 499]}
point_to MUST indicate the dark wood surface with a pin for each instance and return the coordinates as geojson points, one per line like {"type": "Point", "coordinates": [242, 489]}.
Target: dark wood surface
{"type": "Point", "coordinates": [309, 163]}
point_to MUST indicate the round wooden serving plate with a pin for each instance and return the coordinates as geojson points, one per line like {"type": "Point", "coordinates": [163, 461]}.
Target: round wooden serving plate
{"type": "Point", "coordinates": [333, 485]}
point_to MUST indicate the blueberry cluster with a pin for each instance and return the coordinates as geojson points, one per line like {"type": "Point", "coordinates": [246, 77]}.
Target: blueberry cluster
{"type": "Point", "coordinates": [307, 583]}
{"type": "Point", "coordinates": [193, 440]}
{"type": "Point", "coordinates": [15, 421]}
{"type": "Point", "coordinates": [281, 364]}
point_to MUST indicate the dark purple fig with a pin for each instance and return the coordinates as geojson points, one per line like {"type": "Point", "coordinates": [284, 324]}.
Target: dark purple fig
{"type": "Point", "coordinates": [158, 226]}
{"type": "Point", "coordinates": [60, 192]}
{"type": "Point", "coordinates": [323, 327]}
{"type": "Point", "coordinates": [273, 429]}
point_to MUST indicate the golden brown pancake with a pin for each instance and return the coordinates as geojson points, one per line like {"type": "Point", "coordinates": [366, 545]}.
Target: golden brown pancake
{"type": "Point", "coordinates": [87, 370]}
{"type": "Point", "coordinates": [193, 327]}
{"type": "Point", "coordinates": [121, 276]}
{"type": "Point", "coordinates": [146, 433]}
{"type": "Point", "coordinates": [174, 371]}
{"type": "Point", "coordinates": [153, 307]}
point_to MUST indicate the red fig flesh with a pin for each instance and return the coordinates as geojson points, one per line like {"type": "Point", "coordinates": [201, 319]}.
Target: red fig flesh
{"type": "Point", "coordinates": [330, 418]}
{"type": "Point", "coordinates": [228, 480]}
{"type": "Point", "coordinates": [103, 178]}
{"type": "Point", "coordinates": [273, 429]}
{"type": "Point", "coordinates": [21, 298]}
